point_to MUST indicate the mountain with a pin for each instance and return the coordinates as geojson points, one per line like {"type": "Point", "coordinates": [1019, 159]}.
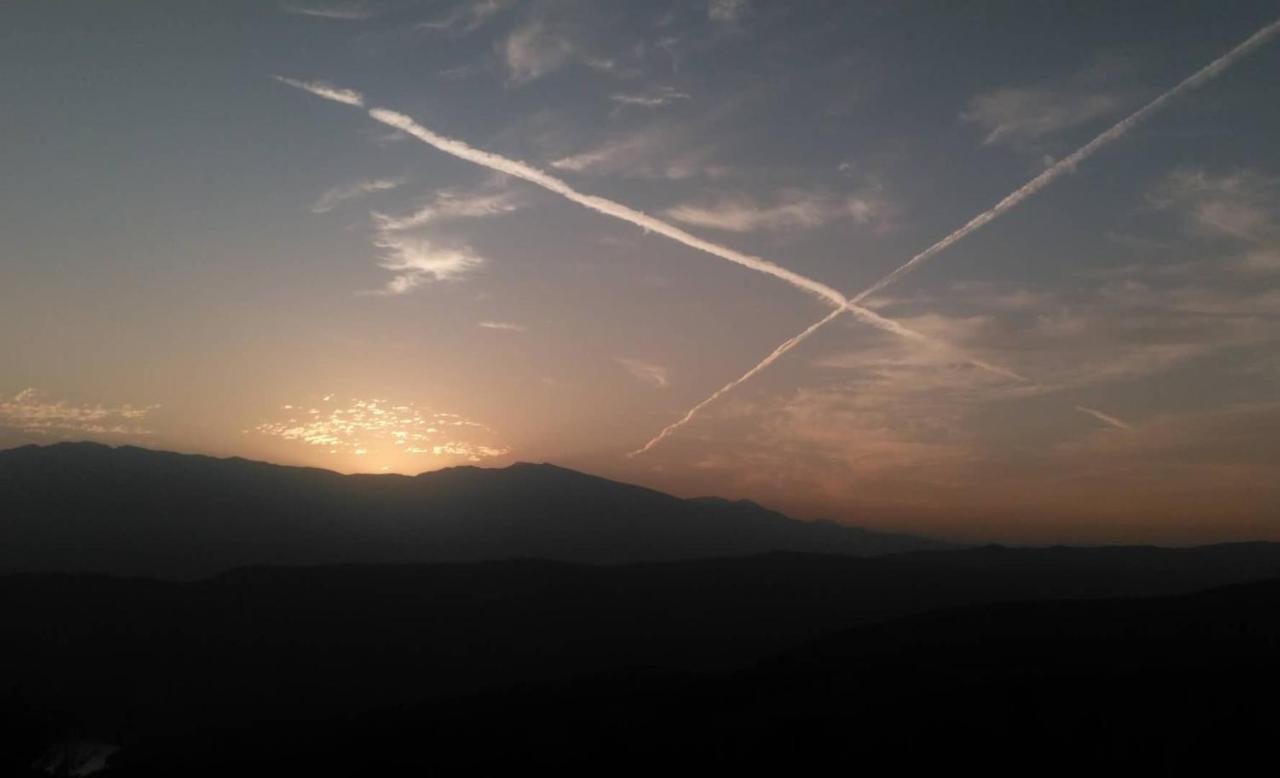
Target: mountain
{"type": "Point", "coordinates": [133, 511]}
{"type": "Point", "coordinates": [129, 657]}
{"type": "Point", "coordinates": [1007, 659]}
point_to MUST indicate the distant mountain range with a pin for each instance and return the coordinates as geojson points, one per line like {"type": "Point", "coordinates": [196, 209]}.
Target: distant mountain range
{"type": "Point", "coordinates": [86, 507]}
{"type": "Point", "coordinates": [1034, 659]}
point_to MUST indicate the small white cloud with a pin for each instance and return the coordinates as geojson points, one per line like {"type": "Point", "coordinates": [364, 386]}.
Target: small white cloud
{"type": "Point", "coordinates": [1105, 418]}
{"type": "Point", "coordinates": [652, 98]}
{"type": "Point", "coordinates": [29, 411]}
{"type": "Point", "coordinates": [340, 194]}
{"type": "Point", "coordinates": [379, 428]}
{"type": "Point", "coordinates": [649, 154]}
{"type": "Point", "coordinates": [468, 16]}
{"type": "Point", "coordinates": [535, 50]}
{"type": "Point", "coordinates": [1023, 114]}
{"type": "Point", "coordinates": [450, 204]}
{"type": "Point", "coordinates": [342, 13]}
{"type": "Point", "coordinates": [1242, 204]}
{"type": "Point", "coordinates": [417, 262]}
{"type": "Point", "coordinates": [604, 156]}
{"type": "Point", "coordinates": [727, 11]}
{"type": "Point", "coordinates": [502, 325]}
{"type": "Point", "coordinates": [648, 372]}
{"type": "Point", "coordinates": [795, 209]}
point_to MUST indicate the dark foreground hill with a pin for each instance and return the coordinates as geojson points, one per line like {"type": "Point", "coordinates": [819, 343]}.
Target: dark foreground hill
{"type": "Point", "coordinates": [504, 663]}
{"type": "Point", "coordinates": [132, 511]}
{"type": "Point", "coordinates": [1170, 686]}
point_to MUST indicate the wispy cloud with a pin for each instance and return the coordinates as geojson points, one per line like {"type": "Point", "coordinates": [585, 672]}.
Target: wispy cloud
{"type": "Point", "coordinates": [656, 97]}
{"type": "Point", "coordinates": [1104, 418]}
{"type": "Point", "coordinates": [417, 262]}
{"type": "Point", "coordinates": [534, 50]}
{"type": "Point", "coordinates": [794, 209]}
{"type": "Point", "coordinates": [650, 153]}
{"type": "Point", "coordinates": [505, 326]}
{"type": "Point", "coordinates": [653, 374]}
{"type": "Point", "coordinates": [328, 92]}
{"type": "Point", "coordinates": [613, 156]}
{"type": "Point", "coordinates": [1029, 189]}
{"type": "Point", "coordinates": [879, 448]}
{"type": "Point", "coordinates": [727, 11]}
{"type": "Point", "coordinates": [340, 194]}
{"type": "Point", "coordinates": [1243, 204]}
{"type": "Point", "coordinates": [467, 16]}
{"type": "Point", "coordinates": [351, 12]}
{"type": "Point", "coordinates": [526, 172]}
{"type": "Point", "coordinates": [30, 411]}
{"type": "Point", "coordinates": [451, 204]}
{"type": "Point", "coordinates": [1016, 114]}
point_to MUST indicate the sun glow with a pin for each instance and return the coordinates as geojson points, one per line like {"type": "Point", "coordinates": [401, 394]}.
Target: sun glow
{"type": "Point", "coordinates": [377, 435]}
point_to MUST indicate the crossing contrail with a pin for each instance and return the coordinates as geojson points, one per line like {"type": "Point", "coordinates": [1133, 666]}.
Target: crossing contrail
{"type": "Point", "coordinates": [526, 172]}
{"type": "Point", "coordinates": [1065, 165]}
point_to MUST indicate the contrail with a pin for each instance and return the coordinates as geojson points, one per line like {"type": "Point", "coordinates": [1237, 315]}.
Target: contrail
{"type": "Point", "coordinates": [1065, 165]}
{"type": "Point", "coordinates": [1105, 418]}
{"type": "Point", "coordinates": [527, 172]}
{"type": "Point", "coordinates": [648, 223]}
{"type": "Point", "coordinates": [729, 387]}
{"type": "Point", "coordinates": [1068, 163]}
{"type": "Point", "coordinates": [321, 89]}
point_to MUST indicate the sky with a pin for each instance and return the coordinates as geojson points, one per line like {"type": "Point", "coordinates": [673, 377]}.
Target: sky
{"type": "Point", "coordinates": [395, 236]}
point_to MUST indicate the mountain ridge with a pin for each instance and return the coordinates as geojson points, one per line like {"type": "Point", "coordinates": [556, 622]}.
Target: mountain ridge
{"type": "Point", "coordinates": [85, 507]}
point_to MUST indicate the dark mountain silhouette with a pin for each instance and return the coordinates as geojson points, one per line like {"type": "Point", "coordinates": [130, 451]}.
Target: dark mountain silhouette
{"type": "Point", "coordinates": [1157, 686]}
{"type": "Point", "coordinates": [258, 660]}
{"type": "Point", "coordinates": [139, 662]}
{"type": "Point", "coordinates": [89, 507]}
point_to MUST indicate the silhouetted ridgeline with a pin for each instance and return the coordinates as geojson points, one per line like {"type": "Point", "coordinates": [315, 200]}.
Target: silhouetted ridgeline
{"type": "Point", "coordinates": [89, 507]}
{"type": "Point", "coordinates": [259, 651]}
{"type": "Point", "coordinates": [373, 671]}
{"type": "Point", "coordinates": [1005, 661]}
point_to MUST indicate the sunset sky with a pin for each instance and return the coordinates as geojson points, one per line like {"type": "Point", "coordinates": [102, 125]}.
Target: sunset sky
{"type": "Point", "coordinates": [210, 244]}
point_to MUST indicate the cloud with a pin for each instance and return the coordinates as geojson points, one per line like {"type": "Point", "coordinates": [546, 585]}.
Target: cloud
{"type": "Point", "coordinates": [328, 92]}
{"type": "Point", "coordinates": [656, 97]}
{"type": "Point", "coordinates": [1014, 114]}
{"type": "Point", "coordinates": [345, 13]}
{"type": "Point", "coordinates": [1029, 189]}
{"type": "Point", "coordinates": [29, 411]}
{"type": "Point", "coordinates": [535, 50]}
{"type": "Point", "coordinates": [505, 326]}
{"type": "Point", "coordinates": [644, 154]}
{"type": "Point", "coordinates": [648, 372]}
{"type": "Point", "coordinates": [526, 172]}
{"type": "Point", "coordinates": [340, 194]}
{"type": "Point", "coordinates": [1261, 261]}
{"type": "Point", "coordinates": [468, 16]}
{"type": "Point", "coordinates": [416, 262]}
{"type": "Point", "coordinates": [1243, 204]}
{"type": "Point", "coordinates": [551, 40]}
{"type": "Point", "coordinates": [601, 205]}
{"type": "Point", "coordinates": [1104, 418]}
{"type": "Point", "coordinates": [378, 428]}
{"type": "Point", "coordinates": [727, 11]}
{"type": "Point", "coordinates": [451, 204]}
{"type": "Point", "coordinates": [877, 447]}
{"type": "Point", "coordinates": [795, 209]}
